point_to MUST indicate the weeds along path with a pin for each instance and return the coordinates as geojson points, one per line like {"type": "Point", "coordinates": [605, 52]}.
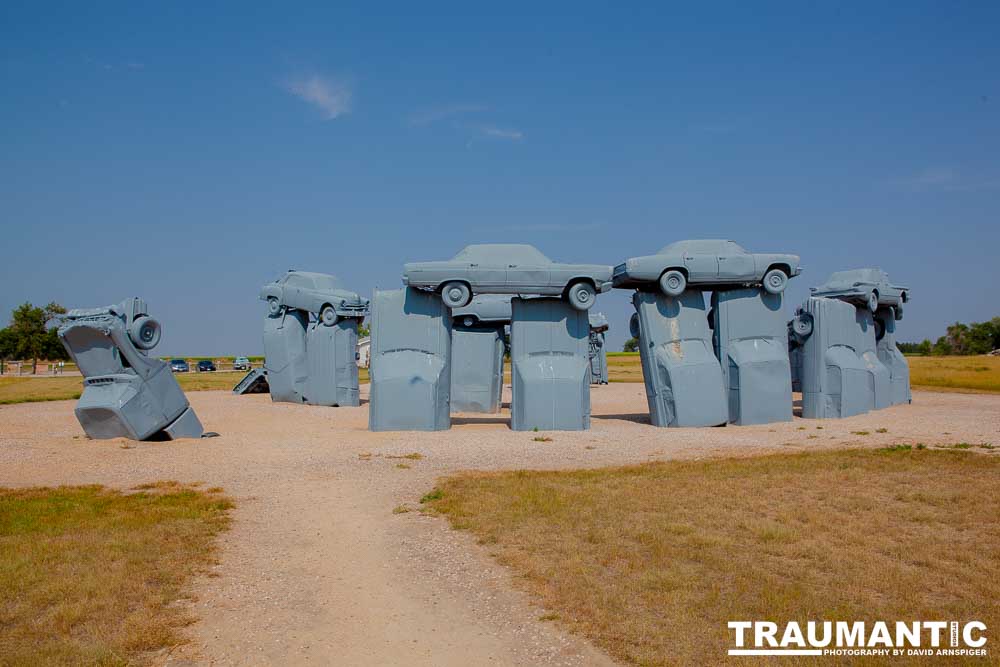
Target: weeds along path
{"type": "Point", "coordinates": [330, 561]}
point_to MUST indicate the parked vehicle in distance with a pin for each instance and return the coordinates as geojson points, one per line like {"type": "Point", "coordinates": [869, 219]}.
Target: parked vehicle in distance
{"type": "Point", "coordinates": [507, 268]}
{"type": "Point", "coordinates": [205, 366]}
{"type": "Point", "coordinates": [179, 366]}
{"type": "Point", "coordinates": [866, 287]}
{"type": "Point", "coordinates": [241, 364]}
{"type": "Point", "coordinates": [709, 262]}
{"type": "Point", "coordinates": [318, 293]}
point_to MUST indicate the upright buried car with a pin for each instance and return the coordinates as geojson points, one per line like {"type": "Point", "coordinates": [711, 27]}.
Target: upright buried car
{"type": "Point", "coordinates": [318, 293]}
{"type": "Point", "coordinates": [507, 268]}
{"type": "Point", "coordinates": [865, 287]}
{"type": "Point", "coordinates": [709, 262]}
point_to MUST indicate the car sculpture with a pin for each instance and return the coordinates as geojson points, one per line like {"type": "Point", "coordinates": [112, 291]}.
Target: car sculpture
{"type": "Point", "coordinates": [498, 268]}
{"type": "Point", "coordinates": [866, 287]}
{"type": "Point", "coordinates": [709, 262]}
{"type": "Point", "coordinates": [484, 309]}
{"type": "Point", "coordinates": [318, 293]}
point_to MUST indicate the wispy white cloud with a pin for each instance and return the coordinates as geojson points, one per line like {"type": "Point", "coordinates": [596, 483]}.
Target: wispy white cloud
{"type": "Point", "coordinates": [509, 134]}
{"type": "Point", "coordinates": [332, 96]}
{"type": "Point", "coordinates": [948, 179]}
{"type": "Point", "coordinates": [434, 115]}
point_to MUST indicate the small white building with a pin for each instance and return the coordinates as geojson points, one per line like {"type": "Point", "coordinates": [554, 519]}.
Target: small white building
{"type": "Point", "coordinates": [364, 351]}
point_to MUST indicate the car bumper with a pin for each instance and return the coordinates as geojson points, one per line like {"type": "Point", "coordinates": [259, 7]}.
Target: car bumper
{"type": "Point", "coordinates": [605, 286]}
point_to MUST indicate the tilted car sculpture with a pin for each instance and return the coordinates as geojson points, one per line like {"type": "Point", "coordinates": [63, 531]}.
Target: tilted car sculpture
{"type": "Point", "coordinates": [708, 262]}
{"type": "Point", "coordinates": [318, 293]}
{"type": "Point", "coordinates": [507, 268]}
{"type": "Point", "coordinates": [865, 287]}
{"type": "Point", "coordinates": [126, 393]}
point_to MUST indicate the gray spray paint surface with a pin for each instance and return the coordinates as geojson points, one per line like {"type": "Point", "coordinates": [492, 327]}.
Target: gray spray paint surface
{"type": "Point", "coordinates": [834, 379]}
{"type": "Point", "coordinates": [550, 366]}
{"type": "Point", "coordinates": [598, 350]}
{"type": "Point", "coordinates": [312, 360]}
{"type": "Point", "coordinates": [285, 355]}
{"type": "Point", "coordinates": [410, 365]}
{"type": "Point", "coordinates": [891, 357]}
{"type": "Point", "coordinates": [684, 383]}
{"type": "Point", "coordinates": [126, 393]}
{"type": "Point", "coordinates": [751, 343]}
{"type": "Point", "coordinates": [477, 368]}
{"type": "Point", "coordinates": [478, 344]}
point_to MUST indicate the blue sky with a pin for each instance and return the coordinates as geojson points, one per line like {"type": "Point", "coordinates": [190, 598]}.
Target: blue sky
{"type": "Point", "coordinates": [188, 154]}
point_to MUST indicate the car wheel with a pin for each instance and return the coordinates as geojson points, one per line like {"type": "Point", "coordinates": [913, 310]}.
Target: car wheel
{"type": "Point", "coordinates": [673, 282]}
{"type": "Point", "coordinates": [145, 332]}
{"type": "Point", "coordinates": [328, 315]}
{"type": "Point", "coordinates": [581, 295]}
{"type": "Point", "coordinates": [873, 301]}
{"type": "Point", "coordinates": [775, 281]}
{"type": "Point", "coordinates": [802, 325]}
{"type": "Point", "coordinates": [273, 307]}
{"type": "Point", "coordinates": [633, 325]}
{"type": "Point", "coordinates": [879, 330]}
{"type": "Point", "coordinates": [456, 294]}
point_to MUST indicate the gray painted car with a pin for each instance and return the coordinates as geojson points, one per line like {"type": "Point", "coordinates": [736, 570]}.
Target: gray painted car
{"type": "Point", "coordinates": [483, 309]}
{"type": "Point", "coordinates": [318, 293]}
{"type": "Point", "coordinates": [709, 262]}
{"type": "Point", "coordinates": [865, 287]}
{"type": "Point", "coordinates": [507, 268]}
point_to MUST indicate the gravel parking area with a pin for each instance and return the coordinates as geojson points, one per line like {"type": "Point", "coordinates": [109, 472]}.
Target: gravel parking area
{"type": "Point", "coordinates": [319, 569]}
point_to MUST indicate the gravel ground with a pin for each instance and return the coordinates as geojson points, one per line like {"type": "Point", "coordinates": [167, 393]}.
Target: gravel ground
{"type": "Point", "coordinates": [317, 568]}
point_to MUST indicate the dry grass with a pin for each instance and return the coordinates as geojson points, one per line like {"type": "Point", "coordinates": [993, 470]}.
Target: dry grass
{"type": "Point", "coordinates": [971, 374]}
{"type": "Point", "coordinates": [90, 575]}
{"type": "Point", "coordinates": [66, 387]}
{"type": "Point", "coordinates": [651, 562]}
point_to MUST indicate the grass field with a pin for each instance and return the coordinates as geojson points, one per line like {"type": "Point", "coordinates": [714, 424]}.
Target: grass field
{"type": "Point", "coordinates": [60, 388]}
{"type": "Point", "coordinates": [968, 374]}
{"type": "Point", "coordinates": [651, 562]}
{"type": "Point", "coordinates": [978, 374]}
{"type": "Point", "coordinates": [91, 576]}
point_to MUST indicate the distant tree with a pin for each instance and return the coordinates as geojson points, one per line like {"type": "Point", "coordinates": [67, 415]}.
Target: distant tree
{"type": "Point", "coordinates": [364, 330]}
{"type": "Point", "coordinates": [631, 345]}
{"type": "Point", "coordinates": [28, 336]}
{"type": "Point", "coordinates": [925, 347]}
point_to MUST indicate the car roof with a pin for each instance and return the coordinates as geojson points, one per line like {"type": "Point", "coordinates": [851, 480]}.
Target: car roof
{"type": "Point", "coordinates": [858, 275]}
{"type": "Point", "coordinates": [506, 252]}
{"type": "Point", "coordinates": [321, 280]}
{"type": "Point", "coordinates": [701, 245]}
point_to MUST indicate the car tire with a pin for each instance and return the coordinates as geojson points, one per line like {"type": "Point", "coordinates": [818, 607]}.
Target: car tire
{"type": "Point", "coordinates": [328, 316]}
{"type": "Point", "coordinates": [581, 295]}
{"type": "Point", "coordinates": [633, 325]}
{"type": "Point", "coordinates": [673, 282]}
{"type": "Point", "coordinates": [802, 325]}
{"type": "Point", "coordinates": [273, 306]}
{"type": "Point", "coordinates": [879, 330]}
{"type": "Point", "coordinates": [144, 332]}
{"type": "Point", "coordinates": [775, 281]}
{"type": "Point", "coordinates": [872, 301]}
{"type": "Point", "coordinates": [456, 294]}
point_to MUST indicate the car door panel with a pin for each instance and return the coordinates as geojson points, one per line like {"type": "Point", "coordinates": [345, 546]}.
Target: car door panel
{"type": "Point", "coordinates": [527, 277]}
{"type": "Point", "coordinates": [736, 267]}
{"type": "Point", "coordinates": [701, 267]}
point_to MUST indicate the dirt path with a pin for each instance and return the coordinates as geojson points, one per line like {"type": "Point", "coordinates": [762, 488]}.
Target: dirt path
{"type": "Point", "coordinates": [319, 570]}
